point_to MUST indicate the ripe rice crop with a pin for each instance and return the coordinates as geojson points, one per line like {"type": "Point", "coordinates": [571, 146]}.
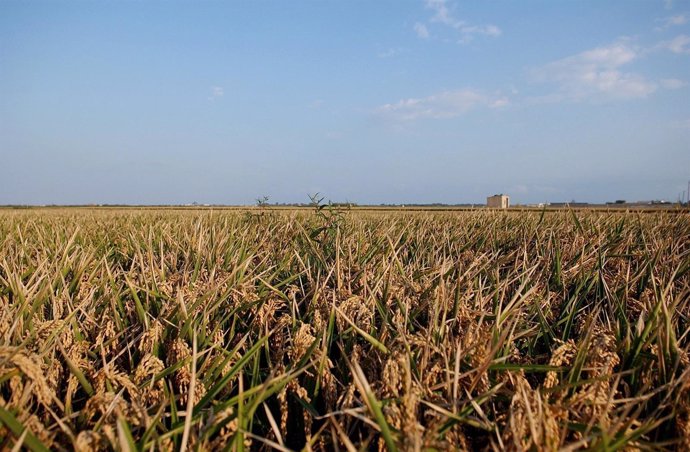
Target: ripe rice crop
{"type": "Point", "coordinates": [344, 330]}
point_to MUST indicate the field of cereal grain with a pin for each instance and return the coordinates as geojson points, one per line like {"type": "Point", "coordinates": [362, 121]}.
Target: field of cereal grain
{"type": "Point", "coordinates": [344, 330]}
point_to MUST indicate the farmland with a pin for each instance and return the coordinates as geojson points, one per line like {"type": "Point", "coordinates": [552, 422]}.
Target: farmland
{"type": "Point", "coordinates": [344, 330]}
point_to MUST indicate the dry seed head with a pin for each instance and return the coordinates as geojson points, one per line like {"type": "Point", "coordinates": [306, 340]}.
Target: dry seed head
{"type": "Point", "coordinates": [403, 410]}
{"type": "Point", "coordinates": [88, 441]}
{"type": "Point", "coordinates": [227, 431]}
{"type": "Point", "coordinates": [293, 387]}
{"type": "Point", "coordinates": [108, 406]}
{"type": "Point", "coordinates": [178, 351]}
{"type": "Point", "coordinates": [35, 426]}
{"type": "Point", "coordinates": [392, 377]}
{"type": "Point", "coordinates": [117, 379]}
{"type": "Point", "coordinates": [17, 391]}
{"type": "Point", "coordinates": [399, 319]}
{"type": "Point", "coordinates": [593, 400]}
{"type": "Point", "coordinates": [30, 366]}
{"type": "Point", "coordinates": [302, 341]}
{"type": "Point", "coordinates": [356, 353]}
{"type": "Point", "coordinates": [304, 395]}
{"type": "Point", "coordinates": [86, 289]}
{"type": "Point", "coordinates": [104, 333]}
{"type": "Point", "coordinates": [356, 309]}
{"type": "Point", "coordinates": [218, 338]}
{"type": "Point", "coordinates": [44, 329]}
{"type": "Point", "coordinates": [58, 308]}
{"type": "Point", "coordinates": [531, 423]}
{"type": "Point", "coordinates": [280, 337]}
{"type": "Point", "coordinates": [604, 357]}
{"type": "Point", "coordinates": [109, 433]}
{"type": "Point", "coordinates": [266, 314]}
{"type": "Point", "coordinates": [282, 400]}
{"type": "Point", "coordinates": [329, 386]}
{"type": "Point", "coordinates": [347, 398]}
{"type": "Point", "coordinates": [151, 337]}
{"type": "Point", "coordinates": [292, 291]}
{"type": "Point", "coordinates": [454, 439]}
{"type": "Point", "coordinates": [54, 373]}
{"type": "Point", "coordinates": [318, 322]}
{"type": "Point", "coordinates": [562, 356]}
{"type": "Point", "coordinates": [148, 368]}
{"type": "Point", "coordinates": [5, 321]}
{"type": "Point", "coordinates": [477, 342]}
{"type": "Point", "coordinates": [130, 309]}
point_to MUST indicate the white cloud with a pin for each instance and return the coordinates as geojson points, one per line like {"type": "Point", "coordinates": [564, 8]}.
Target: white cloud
{"type": "Point", "coordinates": [668, 4]}
{"type": "Point", "coordinates": [672, 83]}
{"type": "Point", "coordinates": [679, 44]}
{"type": "Point", "coordinates": [392, 52]}
{"type": "Point", "coordinates": [216, 93]}
{"type": "Point", "coordinates": [500, 102]}
{"type": "Point", "coordinates": [668, 22]}
{"type": "Point", "coordinates": [597, 74]}
{"type": "Point", "coordinates": [421, 30]}
{"type": "Point", "coordinates": [446, 104]}
{"type": "Point", "coordinates": [444, 16]}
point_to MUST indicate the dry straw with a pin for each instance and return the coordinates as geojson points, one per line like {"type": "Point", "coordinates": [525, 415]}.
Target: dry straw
{"type": "Point", "coordinates": [344, 330]}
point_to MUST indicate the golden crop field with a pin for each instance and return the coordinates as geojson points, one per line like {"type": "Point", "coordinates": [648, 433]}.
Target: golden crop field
{"type": "Point", "coordinates": [344, 330]}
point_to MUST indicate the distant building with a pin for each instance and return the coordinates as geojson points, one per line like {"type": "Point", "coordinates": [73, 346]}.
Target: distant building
{"type": "Point", "coordinates": [498, 201]}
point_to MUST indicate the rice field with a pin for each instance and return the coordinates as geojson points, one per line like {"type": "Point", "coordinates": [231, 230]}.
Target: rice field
{"type": "Point", "coordinates": [344, 330]}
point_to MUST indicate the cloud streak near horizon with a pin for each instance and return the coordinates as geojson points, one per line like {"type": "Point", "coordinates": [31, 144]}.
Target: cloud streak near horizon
{"type": "Point", "coordinates": [442, 105]}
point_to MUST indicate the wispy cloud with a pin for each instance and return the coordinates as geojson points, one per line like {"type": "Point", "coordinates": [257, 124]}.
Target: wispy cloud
{"type": "Point", "coordinates": [443, 15]}
{"type": "Point", "coordinates": [597, 74]}
{"type": "Point", "coordinates": [421, 30]}
{"type": "Point", "coordinates": [672, 83]}
{"type": "Point", "coordinates": [680, 44]}
{"type": "Point", "coordinates": [216, 93]}
{"type": "Point", "coordinates": [672, 21]}
{"type": "Point", "coordinates": [392, 52]}
{"type": "Point", "coordinates": [446, 104]}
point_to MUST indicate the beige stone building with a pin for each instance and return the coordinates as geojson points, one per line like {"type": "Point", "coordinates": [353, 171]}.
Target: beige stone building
{"type": "Point", "coordinates": [498, 201]}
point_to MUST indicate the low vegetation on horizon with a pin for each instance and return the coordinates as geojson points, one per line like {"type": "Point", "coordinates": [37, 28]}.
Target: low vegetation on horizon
{"type": "Point", "coordinates": [343, 330]}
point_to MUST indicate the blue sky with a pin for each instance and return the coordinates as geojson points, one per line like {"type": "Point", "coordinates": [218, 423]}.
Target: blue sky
{"type": "Point", "coordinates": [367, 101]}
